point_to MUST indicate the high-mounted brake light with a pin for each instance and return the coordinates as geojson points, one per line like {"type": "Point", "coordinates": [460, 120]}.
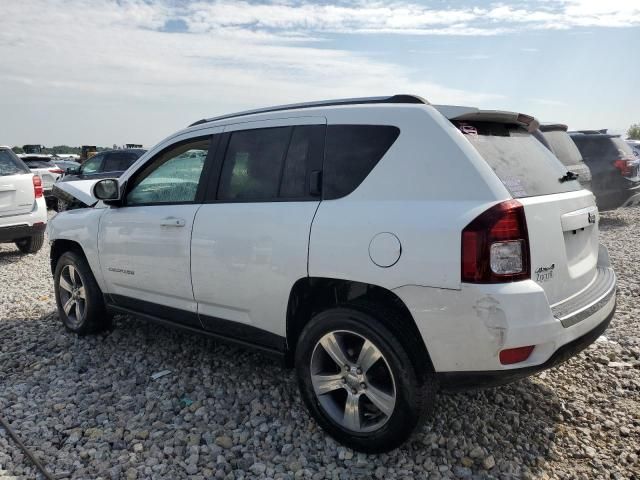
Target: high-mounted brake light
{"type": "Point", "coordinates": [495, 246]}
{"type": "Point", "coordinates": [37, 186]}
{"type": "Point", "coordinates": [56, 170]}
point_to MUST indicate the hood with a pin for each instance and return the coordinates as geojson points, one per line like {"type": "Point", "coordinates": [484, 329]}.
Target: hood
{"type": "Point", "coordinates": [77, 193]}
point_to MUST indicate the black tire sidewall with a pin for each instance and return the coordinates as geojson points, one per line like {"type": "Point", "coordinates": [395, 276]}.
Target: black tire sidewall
{"type": "Point", "coordinates": [407, 412]}
{"type": "Point", "coordinates": [94, 304]}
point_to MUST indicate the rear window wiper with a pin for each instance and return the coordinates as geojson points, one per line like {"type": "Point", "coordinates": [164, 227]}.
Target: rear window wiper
{"type": "Point", "coordinates": [568, 177]}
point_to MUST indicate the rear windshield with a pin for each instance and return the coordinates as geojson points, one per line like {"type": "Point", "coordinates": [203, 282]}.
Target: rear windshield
{"type": "Point", "coordinates": [523, 164]}
{"type": "Point", "coordinates": [563, 147]}
{"type": "Point", "coordinates": [38, 162]}
{"type": "Point", "coordinates": [602, 147]}
{"type": "Point", "coordinates": [10, 164]}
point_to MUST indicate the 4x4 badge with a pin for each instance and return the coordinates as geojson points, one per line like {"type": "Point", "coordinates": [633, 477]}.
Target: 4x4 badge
{"type": "Point", "coordinates": [592, 217]}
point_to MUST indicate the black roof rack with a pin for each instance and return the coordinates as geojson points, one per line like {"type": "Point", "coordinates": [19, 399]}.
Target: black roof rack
{"type": "Point", "coordinates": [402, 98]}
{"type": "Point", "coordinates": [591, 132]}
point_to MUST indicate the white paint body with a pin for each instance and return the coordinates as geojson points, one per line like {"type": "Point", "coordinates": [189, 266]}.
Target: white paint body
{"type": "Point", "coordinates": [239, 261]}
{"type": "Point", "coordinates": [18, 205]}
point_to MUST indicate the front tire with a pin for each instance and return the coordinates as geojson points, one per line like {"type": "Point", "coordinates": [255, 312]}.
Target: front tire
{"type": "Point", "coordinates": [30, 244]}
{"type": "Point", "coordinates": [78, 297]}
{"type": "Point", "coordinates": [359, 380]}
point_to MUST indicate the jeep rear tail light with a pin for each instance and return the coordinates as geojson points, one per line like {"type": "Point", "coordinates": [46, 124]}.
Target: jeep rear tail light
{"type": "Point", "coordinates": [626, 166]}
{"type": "Point", "coordinates": [37, 186]}
{"type": "Point", "coordinates": [495, 246]}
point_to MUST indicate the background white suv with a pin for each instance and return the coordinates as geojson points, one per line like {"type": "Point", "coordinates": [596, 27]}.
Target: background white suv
{"type": "Point", "coordinates": [23, 213]}
{"type": "Point", "coordinates": [385, 247]}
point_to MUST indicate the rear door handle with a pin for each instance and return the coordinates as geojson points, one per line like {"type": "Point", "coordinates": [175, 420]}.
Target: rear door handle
{"type": "Point", "coordinates": [172, 222]}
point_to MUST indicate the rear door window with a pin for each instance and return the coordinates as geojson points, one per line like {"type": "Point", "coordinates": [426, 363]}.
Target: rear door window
{"type": "Point", "coordinates": [118, 161]}
{"type": "Point", "coordinates": [351, 152]}
{"type": "Point", "coordinates": [523, 164]}
{"type": "Point", "coordinates": [563, 147]}
{"type": "Point", "coordinates": [602, 147]}
{"type": "Point", "coordinates": [10, 164]}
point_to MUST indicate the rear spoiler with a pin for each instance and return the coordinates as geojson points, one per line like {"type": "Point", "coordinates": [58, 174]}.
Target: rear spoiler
{"type": "Point", "coordinates": [454, 112]}
{"type": "Point", "coordinates": [553, 127]}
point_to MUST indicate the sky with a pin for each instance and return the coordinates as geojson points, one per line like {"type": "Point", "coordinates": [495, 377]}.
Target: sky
{"type": "Point", "coordinates": [109, 72]}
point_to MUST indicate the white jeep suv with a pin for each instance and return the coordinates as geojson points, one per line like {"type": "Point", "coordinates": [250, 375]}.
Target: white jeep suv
{"type": "Point", "coordinates": [23, 213]}
{"type": "Point", "coordinates": [385, 247]}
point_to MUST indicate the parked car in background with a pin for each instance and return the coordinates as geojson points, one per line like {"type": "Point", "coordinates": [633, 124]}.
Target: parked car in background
{"type": "Point", "coordinates": [331, 234]}
{"type": "Point", "coordinates": [23, 213]}
{"type": "Point", "coordinates": [48, 171]}
{"type": "Point", "coordinates": [106, 164]}
{"type": "Point", "coordinates": [635, 146]}
{"type": "Point", "coordinates": [614, 168]}
{"type": "Point", "coordinates": [65, 164]}
{"type": "Point", "coordinates": [565, 149]}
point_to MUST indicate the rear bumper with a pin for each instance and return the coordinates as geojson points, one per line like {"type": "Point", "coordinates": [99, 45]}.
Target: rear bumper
{"type": "Point", "coordinates": [16, 232]}
{"type": "Point", "coordinates": [465, 330]}
{"type": "Point", "coordinates": [470, 380]}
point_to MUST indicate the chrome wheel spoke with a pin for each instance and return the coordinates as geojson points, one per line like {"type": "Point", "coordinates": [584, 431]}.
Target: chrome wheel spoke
{"type": "Point", "coordinates": [68, 305]}
{"type": "Point", "coordinates": [79, 310]}
{"type": "Point", "coordinates": [332, 347]}
{"type": "Point", "coordinates": [64, 284]}
{"type": "Point", "coordinates": [352, 412]}
{"type": "Point", "coordinates": [368, 356]}
{"type": "Point", "coordinates": [81, 293]}
{"type": "Point", "coordinates": [72, 275]}
{"type": "Point", "coordinates": [327, 383]}
{"type": "Point", "coordinates": [383, 401]}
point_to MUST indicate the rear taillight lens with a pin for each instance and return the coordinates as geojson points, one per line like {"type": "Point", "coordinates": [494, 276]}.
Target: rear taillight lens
{"type": "Point", "coordinates": [628, 166]}
{"type": "Point", "coordinates": [495, 246]}
{"type": "Point", "coordinates": [37, 186]}
{"type": "Point", "coordinates": [56, 170]}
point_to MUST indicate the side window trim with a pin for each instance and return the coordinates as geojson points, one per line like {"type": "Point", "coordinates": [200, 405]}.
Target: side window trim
{"type": "Point", "coordinates": [130, 182]}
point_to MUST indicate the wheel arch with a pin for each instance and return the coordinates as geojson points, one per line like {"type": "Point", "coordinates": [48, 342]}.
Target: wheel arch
{"type": "Point", "coordinates": [61, 246]}
{"type": "Point", "coordinates": [311, 295]}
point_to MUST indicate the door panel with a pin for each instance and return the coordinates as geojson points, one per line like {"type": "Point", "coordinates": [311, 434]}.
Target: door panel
{"type": "Point", "coordinates": [144, 257]}
{"type": "Point", "coordinates": [246, 258]}
{"type": "Point", "coordinates": [250, 242]}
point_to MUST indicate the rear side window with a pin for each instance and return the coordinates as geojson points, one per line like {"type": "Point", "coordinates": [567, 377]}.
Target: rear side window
{"type": "Point", "coordinates": [119, 161]}
{"type": "Point", "coordinates": [525, 166]}
{"type": "Point", "coordinates": [270, 163]}
{"type": "Point", "coordinates": [604, 148]}
{"type": "Point", "coordinates": [10, 164]}
{"type": "Point", "coordinates": [563, 147]}
{"type": "Point", "coordinates": [351, 152]}
{"type": "Point", "coordinates": [37, 163]}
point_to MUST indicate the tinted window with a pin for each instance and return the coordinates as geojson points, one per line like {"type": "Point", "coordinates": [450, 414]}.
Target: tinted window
{"type": "Point", "coordinates": [93, 164]}
{"type": "Point", "coordinates": [351, 152]}
{"type": "Point", "coordinates": [119, 161]}
{"type": "Point", "coordinates": [563, 147]}
{"type": "Point", "coordinates": [525, 166]}
{"type": "Point", "coordinates": [35, 162]}
{"type": "Point", "coordinates": [172, 177]}
{"type": "Point", "coordinates": [253, 163]}
{"type": "Point", "coordinates": [305, 150]}
{"type": "Point", "coordinates": [601, 147]}
{"type": "Point", "coordinates": [10, 164]}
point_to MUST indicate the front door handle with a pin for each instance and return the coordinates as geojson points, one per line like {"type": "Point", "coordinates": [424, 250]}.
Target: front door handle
{"type": "Point", "coordinates": [172, 222]}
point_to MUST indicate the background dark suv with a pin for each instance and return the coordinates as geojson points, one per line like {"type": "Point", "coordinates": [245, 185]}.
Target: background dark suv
{"type": "Point", "coordinates": [110, 163]}
{"type": "Point", "coordinates": [614, 169]}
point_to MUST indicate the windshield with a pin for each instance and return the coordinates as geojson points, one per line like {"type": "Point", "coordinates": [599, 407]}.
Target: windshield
{"type": "Point", "coordinates": [523, 164]}
{"type": "Point", "coordinates": [38, 162]}
{"type": "Point", "coordinates": [563, 147]}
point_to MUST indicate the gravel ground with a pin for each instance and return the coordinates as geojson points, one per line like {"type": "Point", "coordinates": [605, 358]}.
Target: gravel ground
{"type": "Point", "coordinates": [89, 408]}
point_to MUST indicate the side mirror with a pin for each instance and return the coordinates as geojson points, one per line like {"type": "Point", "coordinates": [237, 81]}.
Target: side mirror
{"type": "Point", "coordinates": [107, 190]}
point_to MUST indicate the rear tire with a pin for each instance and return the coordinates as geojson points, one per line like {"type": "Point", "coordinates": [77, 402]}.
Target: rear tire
{"type": "Point", "coordinates": [30, 244]}
{"type": "Point", "coordinates": [78, 297]}
{"type": "Point", "coordinates": [371, 403]}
